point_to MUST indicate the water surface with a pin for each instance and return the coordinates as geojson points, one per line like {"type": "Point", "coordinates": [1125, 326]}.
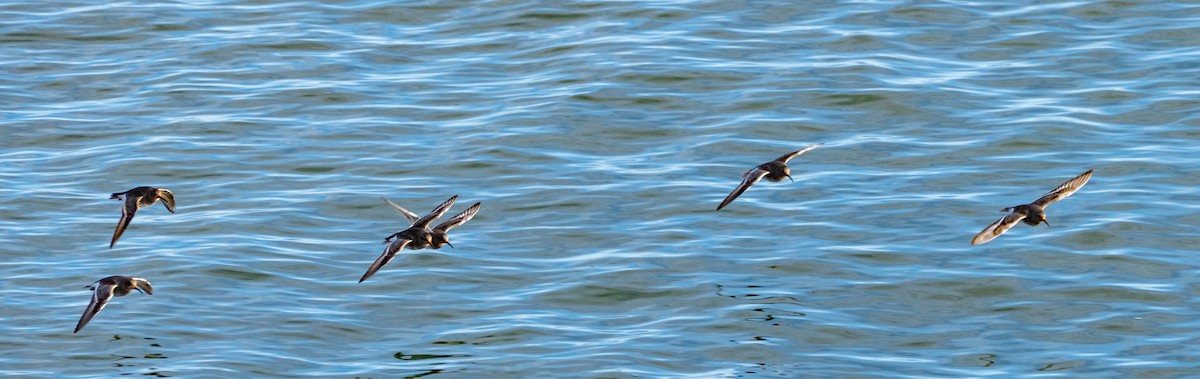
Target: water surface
{"type": "Point", "coordinates": [599, 137]}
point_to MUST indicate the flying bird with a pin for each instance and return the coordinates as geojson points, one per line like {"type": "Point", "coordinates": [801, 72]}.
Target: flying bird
{"type": "Point", "coordinates": [439, 234]}
{"type": "Point", "coordinates": [106, 289]}
{"type": "Point", "coordinates": [138, 198]}
{"type": "Point", "coordinates": [416, 236]}
{"type": "Point", "coordinates": [774, 171]}
{"type": "Point", "coordinates": [1033, 213]}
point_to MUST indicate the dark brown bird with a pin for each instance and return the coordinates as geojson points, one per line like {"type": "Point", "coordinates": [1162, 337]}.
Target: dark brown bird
{"type": "Point", "coordinates": [1033, 213]}
{"type": "Point", "coordinates": [106, 289]}
{"type": "Point", "coordinates": [774, 171]}
{"type": "Point", "coordinates": [139, 198]}
{"type": "Point", "coordinates": [416, 236]}
{"type": "Point", "coordinates": [439, 234]}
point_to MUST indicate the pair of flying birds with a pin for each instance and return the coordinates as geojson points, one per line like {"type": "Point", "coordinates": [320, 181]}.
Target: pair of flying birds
{"type": "Point", "coordinates": [1033, 213]}
{"type": "Point", "coordinates": [117, 285]}
{"type": "Point", "coordinates": [418, 235]}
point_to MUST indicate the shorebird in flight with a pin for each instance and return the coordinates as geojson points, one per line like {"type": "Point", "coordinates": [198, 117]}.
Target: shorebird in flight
{"type": "Point", "coordinates": [106, 289]}
{"type": "Point", "coordinates": [774, 171]}
{"type": "Point", "coordinates": [1033, 213]}
{"type": "Point", "coordinates": [136, 199]}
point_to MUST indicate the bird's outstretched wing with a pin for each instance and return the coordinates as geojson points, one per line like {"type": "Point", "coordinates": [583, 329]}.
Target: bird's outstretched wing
{"type": "Point", "coordinates": [438, 211]}
{"type": "Point", "coordinates": [127, 212]}
{"type": "Point", "coordinates": [168, 199]}
{"type": "Point", "coordinates": [751, 177]}
{"type": "Point", "coordinates": [389, 252]}
{"type": "Point", "coordinates": [1064, 190]}
{"type": "Point", "coordinates": [412, 217]}
{"type": "Point", "coordinates": [100, 298]}
{"type": "Point", "coordinates": [787, 157]}
{"type": "Point", "coordinates": [997, 228]}
{"type": "Point", "coordinates": [143, 286]}
{"type": "Point", "coordinates": [458, 219]}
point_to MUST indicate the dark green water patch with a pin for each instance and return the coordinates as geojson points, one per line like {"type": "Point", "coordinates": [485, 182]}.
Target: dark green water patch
{"type": "Point", "coordinates": [847, 100]}
{"type": "Point", "coordinates": [238, 274]}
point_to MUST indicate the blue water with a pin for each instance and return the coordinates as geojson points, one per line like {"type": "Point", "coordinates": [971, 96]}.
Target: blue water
{"type": "Point", "coordinates": [599, 137]}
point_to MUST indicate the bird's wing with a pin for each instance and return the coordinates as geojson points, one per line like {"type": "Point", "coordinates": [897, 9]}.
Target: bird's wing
{"type": "Point", "coordinates": [389, 252]}
{"type": "Point", "coordinates": [438, 211]}
{"type": "Point", "coordinates": [412, 217]}
{"type": "Point", "coordinates": [997, 228]}
{"type": "Point", "coordinates": [131, 208]}
{"type": "Point", "coordinates": [751, 177]}
{"type": "Point", "coordinates": [1064, 190]}
{"type": "Point", "coordinates": [787, 157]}
{"type": "Point", "coordinates": [144, 285]}
{"type": "Point", "coordinates": [458, 219]}
{"type": "Point", "coordinates": [100, 298]}
{"type": "Point", "coordinates": [168, 199]}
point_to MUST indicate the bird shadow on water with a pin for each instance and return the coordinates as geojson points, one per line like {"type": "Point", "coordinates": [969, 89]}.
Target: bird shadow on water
{"type": "Point", "coordinates": [414, 357]}
{"type": "Point", "coordinates": [418, 375]}
{"type": "Point", "coordinates": [754, 296]}
{"type": "Point", "coordinates": [136, 364]}
{"type": "Point", "coordinates": [431, 360]}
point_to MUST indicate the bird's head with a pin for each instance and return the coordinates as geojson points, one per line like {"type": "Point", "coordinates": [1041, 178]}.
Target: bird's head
{"type": "Point", "coordinates": [438, 240]}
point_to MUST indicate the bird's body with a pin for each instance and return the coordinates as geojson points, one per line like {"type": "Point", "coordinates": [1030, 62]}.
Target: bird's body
{"type": "Point", "coordinates": [775, 171]}
{"type": "Point", "coordinates": [138, 198]}
{"type": "Point", "coordinates": [107, 288]}
{"type": "Point", "coordinates": [1032, 214]}
{"type": "Point", "coordinates": [418, 238]}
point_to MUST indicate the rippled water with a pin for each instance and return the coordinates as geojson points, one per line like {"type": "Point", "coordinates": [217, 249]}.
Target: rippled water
{"type": "Point", "coordinates": [600, 136]}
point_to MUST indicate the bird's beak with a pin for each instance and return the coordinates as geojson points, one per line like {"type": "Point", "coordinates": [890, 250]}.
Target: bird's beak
{"type": "Point", "coordinates": [790, 178]}
{"type": "Point", "coordinates": [1047, 222]}
{"type": "Point", "coordinates": [451, 245]}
